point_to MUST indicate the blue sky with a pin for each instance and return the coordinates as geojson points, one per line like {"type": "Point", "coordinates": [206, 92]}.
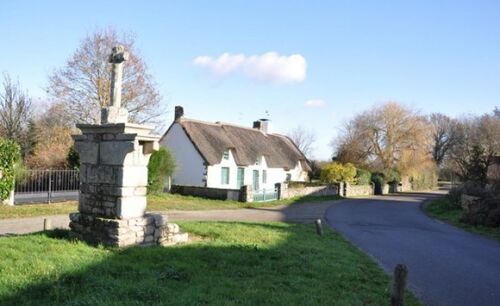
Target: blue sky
{"type": "Point", "coordinates": [436, 56]}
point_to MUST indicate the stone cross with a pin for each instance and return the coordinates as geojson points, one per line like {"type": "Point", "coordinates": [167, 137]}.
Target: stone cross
{"type": "Point", "coordinates": [117, 57]}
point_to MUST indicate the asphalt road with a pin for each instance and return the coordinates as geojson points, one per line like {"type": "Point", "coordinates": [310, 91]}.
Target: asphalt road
{"type": "Point", "coordinates": [447, 266]}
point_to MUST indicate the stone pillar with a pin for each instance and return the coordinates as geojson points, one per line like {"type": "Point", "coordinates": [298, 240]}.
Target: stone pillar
{"type": "Point", "coordinates": [246, 194]}
{"type": "Point", "coordinates": [281, 190]}
{"type": "Point", "coordinates": [113, 186]}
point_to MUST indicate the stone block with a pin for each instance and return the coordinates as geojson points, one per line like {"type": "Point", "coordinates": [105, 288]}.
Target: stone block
{"type": "Point", "coordinates": [117, 152]}
{"type": "Point", "coordinates": [130, 176]}
{"type": "Point", "coordinates": [160, 220]}
{"type": "Point", "coordinates": [130, 207]}
{"type": "Point", "coordinates": [88, 151]}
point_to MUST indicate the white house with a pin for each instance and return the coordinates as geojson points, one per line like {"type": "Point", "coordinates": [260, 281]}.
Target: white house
{"type": "Point", "coordinates": [223, 155]}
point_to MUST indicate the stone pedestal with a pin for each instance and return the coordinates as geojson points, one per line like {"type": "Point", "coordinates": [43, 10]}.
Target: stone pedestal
{"type": "Point", "coordinates": [114, 177]}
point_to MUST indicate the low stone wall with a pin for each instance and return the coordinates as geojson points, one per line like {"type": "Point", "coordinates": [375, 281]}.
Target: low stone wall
{"type": "Point", "coordinates": [285, 192]}
{"type": "Point", "coordinates": [152, 229]}
{"type": "Point", "coordinates": [205, 192]}
{"type": "Point", "coordinates": [359, 190]}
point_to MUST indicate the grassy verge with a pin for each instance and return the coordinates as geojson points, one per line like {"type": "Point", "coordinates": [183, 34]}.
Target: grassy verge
{"type": "Point", "coordinates": [162, 202]}
{"type": "Point", "coordinates": [444, 210]}
{"type": "Point", "coordinates": [233, 263]}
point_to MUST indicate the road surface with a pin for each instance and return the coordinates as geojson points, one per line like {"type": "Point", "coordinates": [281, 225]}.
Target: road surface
{"type": "Point", "coordinates": [447, 266]}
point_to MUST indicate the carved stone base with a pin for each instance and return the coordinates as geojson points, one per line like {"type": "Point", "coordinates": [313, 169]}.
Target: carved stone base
{"type": "Point", "coordinates": [152, 229]}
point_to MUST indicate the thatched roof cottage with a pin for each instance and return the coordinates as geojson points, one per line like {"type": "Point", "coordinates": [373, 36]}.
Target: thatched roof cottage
{"type": "Point", "coordinates": [223, 155]}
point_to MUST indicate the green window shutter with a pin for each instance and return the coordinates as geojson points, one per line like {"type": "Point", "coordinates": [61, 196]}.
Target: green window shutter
{"type": "Point", "coordinates": [224, 177]}
{"type": "Point", "coordinates": [264, 176]}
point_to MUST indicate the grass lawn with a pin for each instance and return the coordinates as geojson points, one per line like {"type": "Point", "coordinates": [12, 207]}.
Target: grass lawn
{"type": "Point", "coordinates": [163, 202]}
{"type": "Point", "coordinates": [230, 263]}
{"type": "Point", "coordinates": [444, 210]}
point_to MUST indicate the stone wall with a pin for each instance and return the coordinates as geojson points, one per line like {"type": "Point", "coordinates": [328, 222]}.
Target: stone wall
{"type": "Point", "coordinates": [151, 229]}
{"type": "Point", "coordinates": [358, 190]}
{"type": "Point", "coordinates": [285, 192]}
{"type": "Point", "coordinates": [205, 192]}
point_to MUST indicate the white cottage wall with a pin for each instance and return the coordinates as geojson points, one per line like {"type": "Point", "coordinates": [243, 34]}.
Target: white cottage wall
{"type": "Point", "coordinates": [190, 167]}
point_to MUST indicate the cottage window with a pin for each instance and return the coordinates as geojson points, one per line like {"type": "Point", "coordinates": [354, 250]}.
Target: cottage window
{"type": "Point", "coordinates": [224, 177]}
{"type": "Point", "coordinates": [226, 154]}
{"type": "Point", "coordinates": [264, 176]}
{"type": "Point", "coordinates": [288, 177]}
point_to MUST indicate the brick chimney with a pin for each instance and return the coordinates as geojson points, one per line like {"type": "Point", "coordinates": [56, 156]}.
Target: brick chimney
{"type": "Point", "coordinates": [179, 112]}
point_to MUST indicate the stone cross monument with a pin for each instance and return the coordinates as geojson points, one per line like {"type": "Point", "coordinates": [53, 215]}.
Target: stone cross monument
{"type": "Point", "coordinates": [114, 113]}
{"type": "Point", "coordinates": [113, 178]}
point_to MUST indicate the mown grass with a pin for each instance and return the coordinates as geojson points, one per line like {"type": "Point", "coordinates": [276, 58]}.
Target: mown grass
{"type": "Point", "coordinates": [163, 202]}
{"type": "Point", "coordinates": [232, 263]}
{"type": "Point", "coordinates": [444, 210]}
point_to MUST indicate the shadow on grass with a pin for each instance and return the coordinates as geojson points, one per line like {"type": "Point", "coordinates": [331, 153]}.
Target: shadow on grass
{"type": "Point", "coordinates": [236, 263]}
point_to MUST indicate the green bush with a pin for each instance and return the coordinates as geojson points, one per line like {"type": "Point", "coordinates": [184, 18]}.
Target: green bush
{"type": "Point", "coordinates": [161, 166]}
{"type": "Point", "coordinates": [378, 178]}
{"type": "Point", "coordinates": [363, 177]}
{"type": "Point", "coordinates": [10, 154]}
{"type": "Point", "coordinates": [337, 172]}
{"type": "Point", "coordinates": [424, 180]}
{"type": "Point", "coordinates": [73, 159]}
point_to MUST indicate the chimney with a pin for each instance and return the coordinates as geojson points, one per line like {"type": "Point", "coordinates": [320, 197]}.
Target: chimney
{"type": "Point", "coordinates": [263, 125]}
{"type": "Point", "coordinates": [179, 112]}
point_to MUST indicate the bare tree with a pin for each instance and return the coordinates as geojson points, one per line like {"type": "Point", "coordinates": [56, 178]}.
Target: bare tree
{"type": "Point", "coordinates": [15, 109]}
{"type": "Point", "coordinates": [16, 115]}
{"type": "Point", "coordinates": [304, 139]}
{"type": "Point", "coordinates": [477, 146]}
{"type": "Point", "coordinates": [445, 135]}
{"type": "Point", "coordinates": [384, 138]}
{"type": "Point", "coordinates": [83, 84]}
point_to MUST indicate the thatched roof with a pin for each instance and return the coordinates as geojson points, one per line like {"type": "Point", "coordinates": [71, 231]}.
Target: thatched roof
{"type": "Point", "coordinates": [247, 144]}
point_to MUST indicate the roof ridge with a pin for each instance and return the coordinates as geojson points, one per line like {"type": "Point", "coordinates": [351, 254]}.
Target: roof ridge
{"type": "Point", "coordinates": [221, 124]}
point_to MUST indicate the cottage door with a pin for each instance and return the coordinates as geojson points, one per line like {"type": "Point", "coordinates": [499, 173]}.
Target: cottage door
{"type": "Point", "coordinates": [255, 185]}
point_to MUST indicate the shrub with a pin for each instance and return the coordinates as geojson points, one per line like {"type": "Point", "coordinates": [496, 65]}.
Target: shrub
{"type": "Point", "coordinates": [337, 172]}
{"type": "Point", "coordinates": [378, 178]}
{"type": "Point", "coordinates": [363, 177]}
{"type": "Point", "coordinates": [161, 166]}
{"type": "Point", "coordinates": [73, 159]}
{"type": "Point", "coordinates": [10, 154]}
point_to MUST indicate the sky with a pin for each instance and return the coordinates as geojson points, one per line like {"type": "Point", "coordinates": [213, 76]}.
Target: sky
{"type": "Point", "coordinates": [309, 63]}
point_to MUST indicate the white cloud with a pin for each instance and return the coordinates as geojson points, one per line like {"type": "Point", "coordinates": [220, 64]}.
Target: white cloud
{"type": "Point", "coordinates": [315, 103]}
{"type": "Point", "coordinates": [268, 67]}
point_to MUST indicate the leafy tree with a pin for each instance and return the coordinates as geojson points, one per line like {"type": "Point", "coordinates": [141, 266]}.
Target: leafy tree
{"type": "Point", "coordinates": [83, 85]}
{"type": "Point", "coordinates": [10, 154]}
{"type": "Point", "coordinates": [161, 166]}
{"type": "Point", "coordinates": [337, 172]}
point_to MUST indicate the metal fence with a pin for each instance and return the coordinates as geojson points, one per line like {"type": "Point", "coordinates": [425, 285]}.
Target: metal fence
{"type": "Point", "coordinates": [265, 195]}
{"type": "Point", "coordinates": [40, 184]}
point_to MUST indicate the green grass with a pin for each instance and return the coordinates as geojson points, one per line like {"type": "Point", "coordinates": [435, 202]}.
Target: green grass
{"type": "Point", "coordinates": [444, 210]}
{"type": "Point", "coordinates": [230, 263]}
{"type": "Point", "coordinates": [163, 202]}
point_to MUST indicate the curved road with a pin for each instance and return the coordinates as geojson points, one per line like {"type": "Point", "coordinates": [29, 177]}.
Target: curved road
{"type": "Point", "coordinates": [447, 266]}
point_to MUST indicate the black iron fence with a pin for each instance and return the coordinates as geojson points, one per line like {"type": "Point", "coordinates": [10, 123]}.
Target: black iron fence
{"type": "Point", "coordinates": [38, 184]}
